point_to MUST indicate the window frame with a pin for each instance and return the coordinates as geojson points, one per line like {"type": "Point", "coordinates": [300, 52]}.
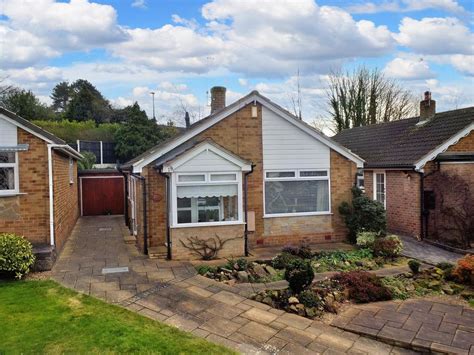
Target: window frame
{"type": "Point", "coordinates": [360, 177]}
{"type": "Point", "coordinates": [207, 182]}
{"type": "Point", "coordinates": [16, 176]}
{"type": "Point", "coordinates": [374, 186]}
{"type": "Point", "coordinates": [298, 177]}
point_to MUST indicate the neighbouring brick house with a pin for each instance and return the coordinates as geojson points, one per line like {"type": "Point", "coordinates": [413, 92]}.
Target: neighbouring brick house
{"type": "Point", "coordinates": [251, 172]}
{"type": "Point", "coordinates": [38, 186]}
{"type": "Point", "coordinates": [402, 157]}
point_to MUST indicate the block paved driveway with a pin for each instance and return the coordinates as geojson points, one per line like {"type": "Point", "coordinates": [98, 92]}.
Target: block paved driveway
{"type": "Point", "coordinates": [173, 293]}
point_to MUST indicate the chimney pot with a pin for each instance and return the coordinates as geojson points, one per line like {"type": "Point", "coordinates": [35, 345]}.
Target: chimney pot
{"type": "Point", "coordinates": [187, 120]}
{"type": "Point", "coordinates": [427, 107]}
{"type": "Point", "coordinates": [217, 98]}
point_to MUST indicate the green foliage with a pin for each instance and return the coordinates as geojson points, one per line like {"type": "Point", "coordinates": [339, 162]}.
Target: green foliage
{"type": "Point", "coordinates": [282, 260]}
{"type": "Point", "coordinates": [16, 255]}
{"type": "Point", "coordinates": [363, 215]}
{"type": "Point", "coordinates": [343, 260]}
{"type": "Point", "coordinates": [41, 317]}
{"type": "Point", "coordinates": [397, 287]}
{"type": "Point", "coordinates": [303, 251]}
{"type": "Point", "coordinates": [138, 135]}
{"type": "Point", "coordinates": [388, 247]}
{"type": "Point", "coordinates": [448, 269]}
{"type": "Point", "coordinates": [444, 265]}
{"type": "Point", "coordinates": [61, 95]}
{"type": "Point", "coordinates": [414, 266]}
{"type": "Point", "coordinates": [309, 298]}
{"type": "Point", "coordinates": [71, 131]}
{"type": "Point", "coordinates": [204, 269]}
{"type": "Point", "coordinates": [25, 104]}
{"type": "Point", "coordinates": [366, 239]}
{"type": "Point", "coordinates": [363, 287]}
{"type": "Point", "coordinates": [88, 161]}
{"type": "Point", "coordinates": [299, 274]}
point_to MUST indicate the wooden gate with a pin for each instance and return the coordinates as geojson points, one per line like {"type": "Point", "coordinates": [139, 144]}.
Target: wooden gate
{"type": "Point", "coordinates": [101, 192]}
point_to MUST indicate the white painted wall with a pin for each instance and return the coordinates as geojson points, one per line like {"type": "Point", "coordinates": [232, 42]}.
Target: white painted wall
{"type": "Point", "coordinates": [8, 133]}
{"type": "Point", "coordinates": [288, 147]}
{"type": "Point", "coordinates": [207, 161]}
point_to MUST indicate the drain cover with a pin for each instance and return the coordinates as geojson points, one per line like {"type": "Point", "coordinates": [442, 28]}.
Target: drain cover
{"type": "Point", "coordinates": [104, 229]}
{"type": "Point", "coordinates": [113, 270]}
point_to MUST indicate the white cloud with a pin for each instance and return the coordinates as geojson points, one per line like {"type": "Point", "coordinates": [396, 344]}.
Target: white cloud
{"type": "Point", "coordinates": [34, 74]}
{"type": "Point", "coordinates": [141, 4]}
{"type": "Point", "coordinates": [406, 6]}
{"type": "Point", "coordinates": [463, 63]}
{"type": "Point", "coordinates": [243, 82]}
{"type": "Point", "coordinates": [408, 69]}
{"type": "Point", "coordinates": [435, 36]}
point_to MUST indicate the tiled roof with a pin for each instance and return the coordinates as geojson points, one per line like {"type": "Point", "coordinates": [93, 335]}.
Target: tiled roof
{"type": "Point", "coordinates": [402, 143]}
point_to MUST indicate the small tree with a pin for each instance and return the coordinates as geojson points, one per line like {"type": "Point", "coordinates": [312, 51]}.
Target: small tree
{"type": "Point", "coordinates": [453, 217]}
{"type": "Point", "coordinates": [88, 161]}
{"type": "Point", "coordinates": [363, 215]}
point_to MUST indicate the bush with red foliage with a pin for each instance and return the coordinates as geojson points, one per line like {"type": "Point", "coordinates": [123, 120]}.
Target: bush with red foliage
{"type": "Point", "coordinates": [362, 286]}
{"type": "Point", "coordinates": [464, 271]}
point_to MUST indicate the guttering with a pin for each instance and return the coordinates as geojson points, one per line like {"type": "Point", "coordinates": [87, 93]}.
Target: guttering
{"type": "Point", "coordinates": [168, 235]}
{"type": "Point", "coordinates": [246, 232]}
{"type": "Point", "coordinates": [145, 219]}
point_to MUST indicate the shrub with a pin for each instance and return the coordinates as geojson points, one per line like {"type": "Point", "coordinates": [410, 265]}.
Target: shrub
{"type": "Point", "coordinates": [363, 214]}
{"type": "Point", "coordinates": [414, 266]}
{"type": "Point", "coordinates": [363, 287]}
{"type": "Point", "coordinates": [88, 161]}
{"type": "Point", "coordinates": [70, 131]}
{"type": "Point", "coordinates": [464, 271]}
{"type": "Point", "coordinates": [444, 265]}
{"type": "Point", "coordinates": [16, 255]}
{"type": "Point", "coordinates": [388, 247]}
{"type": "Point", "coordinates": [397, 287]}
{"type": "Point", "coordinates": [204, 269]}
{"type": "Point", "coordinates": [303, 251]}
{"type": "Point", "coordinates": [309, 298]}
{"type": "Point", "coordinates": [366, 239]}
{"type": "Point", "coordinates": [282, 260]}
{"type": "Point", "coordinates": [299, 274]}
{"type": "Point", "coordinates": [448, 269]}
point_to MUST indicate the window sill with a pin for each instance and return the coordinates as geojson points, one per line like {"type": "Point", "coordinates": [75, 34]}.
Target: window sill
{"type": "Point", "coordinates": [10, 194]}
{"type": "Point", "coordinates": [207, 224]}
{"type": "Point", "coordinates": [302, 214]}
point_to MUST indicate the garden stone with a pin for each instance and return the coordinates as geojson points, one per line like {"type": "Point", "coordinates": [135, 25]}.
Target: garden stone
{"type": "Point", "coordinates": [293, 300]}
{"type": "Point", "coordinates": [268, 300]}
{"type": "Point", "coordinates": [243, 276]}
{"type": "Point", "coordinates": [435, 285]}
{"type": "Point", "coordinates": [226, 270]}
{"type": "Point", "coordinates": [410, 287]}
{"type": "Point", "coordinates": [311, 312]}
{"type": "Point", "coordinates": [259, 270]}
{"type": "Point", "coordinates": [270, 270]}
{"type": "Point", "coordinates": [293, 308]}
{"type": "Point", "coordinates": [447, 289]}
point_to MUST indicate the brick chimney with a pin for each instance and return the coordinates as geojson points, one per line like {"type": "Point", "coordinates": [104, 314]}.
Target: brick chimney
{"type": "Point", "coordinates": [427, 107]}
{"type": "Point", "coordinates": [217, 98]}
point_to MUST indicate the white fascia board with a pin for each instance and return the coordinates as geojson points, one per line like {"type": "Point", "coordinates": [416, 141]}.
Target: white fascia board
{"type": "Point", "coordinates": [205, 146]}
{"type": "Point", "coordinates": [8, 119]}
{"type": "Point", "coordinates": [137, 167]}
{"type": "Point", "coordinates": [443, 147]}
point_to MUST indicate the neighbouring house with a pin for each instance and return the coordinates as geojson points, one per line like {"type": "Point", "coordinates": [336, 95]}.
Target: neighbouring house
{"type": "Point", "coordinates": [402, 158]}
{"type": "Point", "coordinates": [38, 186]}
{"type": "Point", "coordinates": [249, 174]}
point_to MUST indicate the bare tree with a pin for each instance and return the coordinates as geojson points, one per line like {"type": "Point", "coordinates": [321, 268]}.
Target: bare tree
{"type": "Point", "coordinates": [5, 89]}
{"type": "Point", "coordinates": [366, 96]}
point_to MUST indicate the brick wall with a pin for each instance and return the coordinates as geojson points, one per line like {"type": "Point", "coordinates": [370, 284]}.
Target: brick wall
{"type": "Point", "coordinates": [232, 248]}
{"type": "Point", "coordinates": [28, 213]}
{"type": "Point", "coordinates": [66, 202]}
{"type": "Point", "coordinates": [242, 135]}
{"type": "Point", "coordinates": [465, 144]}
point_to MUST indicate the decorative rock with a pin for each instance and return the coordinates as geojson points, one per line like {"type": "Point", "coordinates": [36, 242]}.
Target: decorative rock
{"type": "Point", "coordinates": [259, 270]}
{"type": "Point", "coordinates": [270, 270]}
{"type": "Point", "coordinates": [226, 270]}
{"type": "Point", "coordinates": [293, 308]}
{"type": "Point", "coordinates": [447, 289]}
{"type": "Point", "coordinates": [243, 276]}
{"type": "Point", "coordinates": [293, 300]}
{"type": "Point", "coordinates": [435, 285]}
{"type": "Point", "coordinates": [311, 312]}
{"type": "Point", "coordinates": [410, 287]}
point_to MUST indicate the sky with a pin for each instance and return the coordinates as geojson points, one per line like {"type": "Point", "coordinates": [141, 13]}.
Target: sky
{"type": "Point", "coordinates": [179, 49]}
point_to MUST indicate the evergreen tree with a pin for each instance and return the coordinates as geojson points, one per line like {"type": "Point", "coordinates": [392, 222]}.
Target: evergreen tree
{"type": "Point", "coordinates": [25, 104]}
{"type": "Point", "coordinates": [61, 95]}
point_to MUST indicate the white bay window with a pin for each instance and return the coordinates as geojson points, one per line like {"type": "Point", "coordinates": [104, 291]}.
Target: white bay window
{"type": "Point", "coordinates": [297, 192]}
{"type": "Point", "coordinates": [212, 198]}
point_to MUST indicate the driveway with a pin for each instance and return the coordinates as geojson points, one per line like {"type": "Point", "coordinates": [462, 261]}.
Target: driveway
{"type": "Point", "coordinates": [173, 293]}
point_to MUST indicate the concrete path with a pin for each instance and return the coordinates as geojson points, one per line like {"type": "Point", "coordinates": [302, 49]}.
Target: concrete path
{"type": "Point", "coordinates": [423, 324]}
{"type": "Point", "coordinates": [171, 292]}
{"type": "Point", "coordinates": [426, 252]}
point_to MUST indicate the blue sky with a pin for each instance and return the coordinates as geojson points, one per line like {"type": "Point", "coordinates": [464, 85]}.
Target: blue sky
{"type": "Point", "coordinates": [180, 49]}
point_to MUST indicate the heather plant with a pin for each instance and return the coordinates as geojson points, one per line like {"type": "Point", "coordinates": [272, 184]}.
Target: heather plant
{"type": "Point", "coordinates": [362, 286]}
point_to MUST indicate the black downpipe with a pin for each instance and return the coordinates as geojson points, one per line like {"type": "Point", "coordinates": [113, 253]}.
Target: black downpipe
{"type": "Point", "coordinates": [145, 213]}
{"type": "Point", "coordinates": [168, 235]}
{"type": "Point", "coordinates": [246, 233]}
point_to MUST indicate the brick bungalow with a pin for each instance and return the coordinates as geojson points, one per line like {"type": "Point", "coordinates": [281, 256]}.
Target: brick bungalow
{"type": "Point", "coordinates": [401, 157]}
{"type": "Point", "coordinates": [38, 186]}
{"type": "Point", "coordinates": [251, 172]}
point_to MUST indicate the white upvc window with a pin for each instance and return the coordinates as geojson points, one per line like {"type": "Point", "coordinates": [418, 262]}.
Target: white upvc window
{"type": "Point", "coordinates": [380, 187]}
{"type": "Point", "coordinates": [9, 177]}
{"type": "Point", "coordinates": [71, 171]}
{"type": "Point", "coordinates": [201, 199]}
{"type": "Point", "coordinates": [360, 179]}
{"type": "Point", "coordinates": [297, 192]}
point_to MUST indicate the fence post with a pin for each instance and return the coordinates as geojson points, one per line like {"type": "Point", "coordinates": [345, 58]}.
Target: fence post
{"type": "Point", "coordinates": [78, 145]}
{"type": "Point", "coordinates": [101, 153]}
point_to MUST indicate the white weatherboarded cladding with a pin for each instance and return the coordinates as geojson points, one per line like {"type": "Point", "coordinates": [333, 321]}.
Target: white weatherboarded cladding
{"type": "Point", "coordinates": [285, 146]}
{"type": "Point", "coordinates": [207, 161]}
{"type": "Point", "coordinates": [8, 133]}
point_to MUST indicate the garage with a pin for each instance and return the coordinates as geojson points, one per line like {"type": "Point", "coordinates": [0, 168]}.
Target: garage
{"type": "Point", "coordinates": [101, 192]}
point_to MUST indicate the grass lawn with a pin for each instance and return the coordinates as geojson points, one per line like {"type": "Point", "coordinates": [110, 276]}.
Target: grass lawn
{"type": "Point", "coordinates": [43, 317]}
